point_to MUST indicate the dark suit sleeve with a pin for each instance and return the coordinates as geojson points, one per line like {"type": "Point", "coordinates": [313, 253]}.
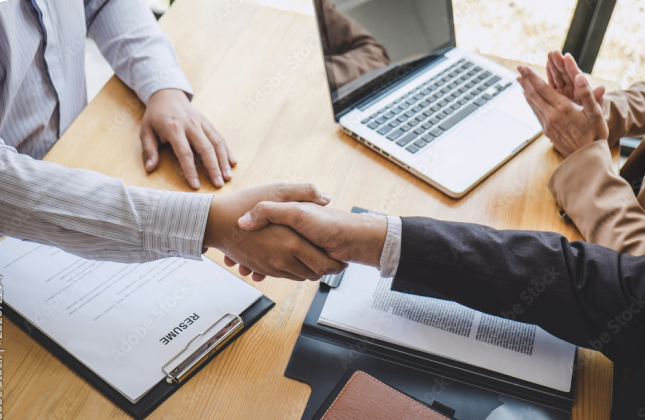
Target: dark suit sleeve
{"type": "Point", "coordinates": [583, 293]}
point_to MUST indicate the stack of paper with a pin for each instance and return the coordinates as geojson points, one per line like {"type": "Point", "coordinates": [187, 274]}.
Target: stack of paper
{"type": "Point", "coordinates": [363, 304]}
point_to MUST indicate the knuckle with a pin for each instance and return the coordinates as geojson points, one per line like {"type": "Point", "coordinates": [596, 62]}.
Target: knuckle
{"type": "Point", "coordinates": [174, 125]}
{"type": "Point", "coordinates": [185, 153]}
{"type": "Point", "coordinates": [292, 245]}
{"type": "Point", "coordinates": [564, 108]}
{"type": "Point", "coordinates": [311, 190]}
{"type": "Point", "coordinates": [262, 207]}
{"type": "Point", "coordinates": [282, 191]}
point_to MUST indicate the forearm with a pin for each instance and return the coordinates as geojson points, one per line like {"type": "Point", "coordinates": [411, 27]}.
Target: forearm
{"type": "Point", "coordinates": [574, 290]}
{"type": "Point", "coordinates": [625, 112]}
{"type": "Point", "coordinates": [95, 216]}
{"type": "Point", "coordinates": [600, 203]}
{"type": "Point", "coordinates": [129, 37]}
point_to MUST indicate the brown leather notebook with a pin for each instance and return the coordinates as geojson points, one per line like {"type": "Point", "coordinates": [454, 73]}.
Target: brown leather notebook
{"type": "Point", "coordinates": [366, 398]}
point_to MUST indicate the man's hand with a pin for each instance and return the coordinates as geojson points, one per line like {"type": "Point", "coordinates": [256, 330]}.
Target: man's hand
{"type": "Point", "coordinates": [170, 118]}
{"type": "Point", "coordinates": [345, 237]}
{"type": "Point", "coordinates": [569, 126]}
{"type": "Point", "coordinates": [562, 71]}
{"type": "Point", "coordinates": [275, 251]}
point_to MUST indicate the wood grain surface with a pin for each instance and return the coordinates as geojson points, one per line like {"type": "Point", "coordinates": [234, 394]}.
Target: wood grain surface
{"type": "Point", "coordinates": [258, 75]}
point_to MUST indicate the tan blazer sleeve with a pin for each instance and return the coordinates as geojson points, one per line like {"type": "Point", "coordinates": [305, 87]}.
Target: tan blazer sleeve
{"type": "Point", "coordinates": [625, 112]}
{"type": "Point", "coordinates": [600, 203]}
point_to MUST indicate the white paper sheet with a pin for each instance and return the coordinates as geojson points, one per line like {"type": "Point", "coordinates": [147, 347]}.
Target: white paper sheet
{"type": "Point", "coordinates": [363, 304]}
{"type": "Point", "coordinates": [123, 321]}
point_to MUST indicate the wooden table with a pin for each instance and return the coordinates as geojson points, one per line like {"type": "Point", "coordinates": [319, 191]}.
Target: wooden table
{"type": "Point", "coordinates": [230, 53]}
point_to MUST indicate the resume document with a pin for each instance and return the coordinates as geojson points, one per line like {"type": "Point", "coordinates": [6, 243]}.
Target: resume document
{"type": "Point", "coordinates": [122, 321]}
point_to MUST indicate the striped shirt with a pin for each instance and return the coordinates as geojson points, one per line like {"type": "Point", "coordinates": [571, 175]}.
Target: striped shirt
{"type": "Point", "coordinates": [42, 90]}
{"type": "Point", "coordinates": [42, 62]}
{"type": "Point", "coordinates": [95, 216]}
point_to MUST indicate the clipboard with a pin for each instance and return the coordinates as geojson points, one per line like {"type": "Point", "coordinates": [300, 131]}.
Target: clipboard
{"type": "Point", "coordinates": [190, 366]}
{"type": "Point", "coordinates": [322, 356]}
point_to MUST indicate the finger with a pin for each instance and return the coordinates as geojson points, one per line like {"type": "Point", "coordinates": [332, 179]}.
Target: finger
{"type": "Point", "coordinates": [558, 61]}
{"type": "Point", "coordinates": [244, 270]}
{"type": "Point", "coordinates": [568, 87]}
{"type": "Point", "coordinates": [555, 74]}
{"type": "Point", "coordinates": [532, 96]}
{"type": "Point", "coordinates": [266, 212]}
{"type": "Point", "coordinates": [302, 193]}
{"type": "Point", "coordinates": [570, 66]}
{"type": "Point", "coordinates": [221, 151]}
{"type": "Point", "coordinates": [203, 146]}
{"type": "Point", "coordinates": [186, 158]}
{"type": "Point", "coordinates": [258, 277]}
{"type": "Point", "coordinates": [229, 262]}
{"type": "Point", "coordinates": [538, 87]}
{"type": "Point", "coordinates": [599, 94]}
{"type": "Point", "coordinates": [150, 147]}
{"type": "Point", "coordinates": [300, 270]}
{"type": "Point", "coordinates": [231, 157]}
{"type": "Point", "coordinates": [551, 78]}
{"type": "Point", "coordinates": [585, 95]}
{"type": "Point", "coordinates": [537, 111]}
{"type": "Point", "coordinates": [317, 261]}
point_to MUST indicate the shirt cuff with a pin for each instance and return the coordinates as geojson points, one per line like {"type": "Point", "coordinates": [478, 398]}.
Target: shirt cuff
{"type": "Point", "coordinates": [177, 81]}
{"type": "Point", "coordinates": [391, 254]}
{"type": "Point", "coordinates": [176, 225]}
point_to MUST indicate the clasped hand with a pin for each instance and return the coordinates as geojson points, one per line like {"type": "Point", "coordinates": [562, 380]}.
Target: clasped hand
{"type": "Point", "coordinates": [569, 111]}
{"type": "Point", "coordinates": [273, 250]}
{"type": "Point", "coordinates": [344, 237]}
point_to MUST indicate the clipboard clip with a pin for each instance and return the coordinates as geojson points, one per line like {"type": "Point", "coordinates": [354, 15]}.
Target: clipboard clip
{"type": "Point", "coordinates": [209, 348]}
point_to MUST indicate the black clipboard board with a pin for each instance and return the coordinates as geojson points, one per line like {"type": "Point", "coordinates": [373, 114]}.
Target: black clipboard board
{"type": "Point", "coordinates": [323, 355]}
{"type": "Point", "coordinates": [163, 390]}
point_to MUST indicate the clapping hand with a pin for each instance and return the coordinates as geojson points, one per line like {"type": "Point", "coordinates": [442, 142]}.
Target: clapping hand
{"type": "Point", "coordinates": [562, 71]}
{"type": "Point", "coordinates": [570, 122]}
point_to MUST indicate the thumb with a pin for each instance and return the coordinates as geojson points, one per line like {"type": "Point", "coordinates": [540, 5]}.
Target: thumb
{"type": "Point", "coordinates": [586, 97]}
{"type": "Point", "coordinates": [150, 148]}
{"type": "Point", "coordinates": [599, 94]}
{"type": "Point", "coordinates": [269, 212]}
{"type": "Point", "coordinates": [301, 192]}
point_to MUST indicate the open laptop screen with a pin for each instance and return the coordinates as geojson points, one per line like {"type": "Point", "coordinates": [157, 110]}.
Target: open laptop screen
{"type": "Point", "coordinates": [369, 45]}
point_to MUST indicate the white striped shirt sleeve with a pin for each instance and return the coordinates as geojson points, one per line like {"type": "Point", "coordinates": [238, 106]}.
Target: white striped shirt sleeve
{"type": "Point", "coordinates": [129, 38]}
{"type": "Point", "coordinates": [94, 216]}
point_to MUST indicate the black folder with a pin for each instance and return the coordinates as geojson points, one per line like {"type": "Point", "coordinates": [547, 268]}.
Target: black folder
{"type": "Point", "coordinates": [323, 355]}
{"type": "Point", "coordinates": [163, 390]}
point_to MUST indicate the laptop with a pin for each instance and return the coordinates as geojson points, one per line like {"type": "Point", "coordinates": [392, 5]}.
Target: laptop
{"type": "Point", "coordinates": [399, 85]}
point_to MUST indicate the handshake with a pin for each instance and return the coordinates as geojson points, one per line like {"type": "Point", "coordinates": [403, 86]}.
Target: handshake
{"type": "Point", "coordinates": [284, 230]}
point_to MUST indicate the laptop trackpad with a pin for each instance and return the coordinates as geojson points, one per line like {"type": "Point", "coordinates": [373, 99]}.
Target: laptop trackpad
{"type": "Point", "coordinates": [463, 157]}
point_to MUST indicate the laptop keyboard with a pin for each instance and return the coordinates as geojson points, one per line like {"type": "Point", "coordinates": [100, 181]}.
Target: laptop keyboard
{"type": "Point", "coordinates": [423, 114]}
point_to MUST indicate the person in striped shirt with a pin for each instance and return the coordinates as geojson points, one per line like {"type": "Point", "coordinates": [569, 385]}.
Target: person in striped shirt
{"type": "Point", "coordinates": [43, 89]}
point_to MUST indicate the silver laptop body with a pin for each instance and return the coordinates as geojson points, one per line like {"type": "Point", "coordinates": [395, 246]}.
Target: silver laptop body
{"type": "Point", "coordinates": [449, 116]}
